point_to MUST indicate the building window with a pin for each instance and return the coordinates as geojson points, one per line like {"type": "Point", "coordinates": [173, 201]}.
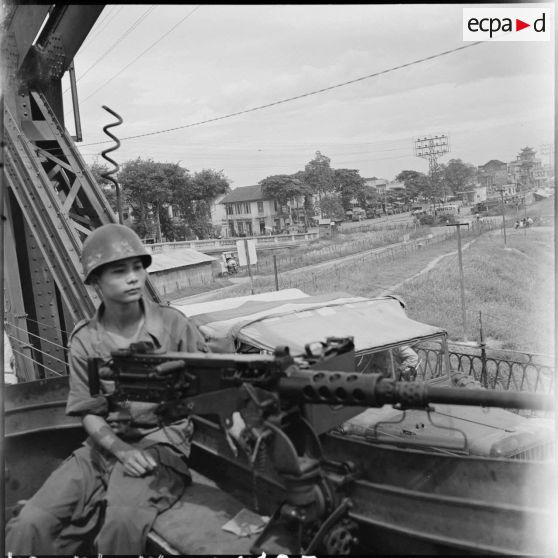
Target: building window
{"type": "Point", "coordinates": [240, 226]}
{"type": "Point", "coordinates": [275, 206]}
{"type": "Point", "coordinates": [247, 208]}
{"type": "Point", "coordinates": [230, 209]}
{"type": "Point", "coordinates": [260, 207]}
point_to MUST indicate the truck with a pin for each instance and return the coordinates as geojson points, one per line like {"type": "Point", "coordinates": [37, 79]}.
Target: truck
{"type": "Point", "coordinates": [258, 323]}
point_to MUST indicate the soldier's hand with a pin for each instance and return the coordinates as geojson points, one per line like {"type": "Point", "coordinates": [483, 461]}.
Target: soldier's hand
{"type": "Point", "coordinates": [136, 462]}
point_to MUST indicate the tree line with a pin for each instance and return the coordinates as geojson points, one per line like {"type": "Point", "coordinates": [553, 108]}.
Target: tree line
{"type": "Point", "coordinates": [148, 188]}
{"type": "Point", "coordinates": [321, 189]}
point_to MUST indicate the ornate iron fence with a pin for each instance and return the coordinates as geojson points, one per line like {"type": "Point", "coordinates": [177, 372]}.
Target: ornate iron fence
{"type": "Point", "coordinates": [493, 368]}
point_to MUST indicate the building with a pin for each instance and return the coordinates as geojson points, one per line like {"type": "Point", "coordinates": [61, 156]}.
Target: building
{"type": "Point", "coordinates": [173, 270]}
{"type": "Point", "coordinates": [219, 216]}
{"type": "Point", "coordinates": [476, 195]}
{"type": "Point", "coordinates": [378, 184]}
{"type": "Point", "coordinates": [492, 176]}
{"type": "Point", "coordinates": [528, 172]}
{"type": "Point", "coordinates": [248, 212]}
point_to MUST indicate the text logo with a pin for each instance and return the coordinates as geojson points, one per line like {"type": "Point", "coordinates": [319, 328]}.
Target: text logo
{"type": "Point", "coordinates": [508, 24]}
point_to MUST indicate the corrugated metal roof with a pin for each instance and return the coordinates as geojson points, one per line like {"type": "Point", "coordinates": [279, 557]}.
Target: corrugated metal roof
{"type": "Point", "coordinates": [182, 257]}
{"type": "Point", "coordinates": [245, 193]}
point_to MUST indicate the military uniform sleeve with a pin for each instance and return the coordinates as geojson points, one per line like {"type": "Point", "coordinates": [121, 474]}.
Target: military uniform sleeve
{"type": "Point", "coordinates": [80, 402]}
{"type": "Point", "coordinates": [408, 357]}
{"type": "Point", "coordinates": [193, 341]}
{"type": "Point", "coordinates": [186, 336]}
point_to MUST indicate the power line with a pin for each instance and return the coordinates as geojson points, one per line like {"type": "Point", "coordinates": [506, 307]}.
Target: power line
{"type": "Point", "coordinates": [226, 154]}
{"type": "Point", "coordinates": [112, 12]}
{"type": "Point", "coordinates": [118, 41]}
{"type": "Point", "coordinates": [275, 103]}
{"type": "Point", "coordinates": [139, 56]}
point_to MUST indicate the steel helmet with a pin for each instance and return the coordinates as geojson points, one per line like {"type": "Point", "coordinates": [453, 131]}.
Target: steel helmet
{"type": "Point", "coordinates": [110, 243]}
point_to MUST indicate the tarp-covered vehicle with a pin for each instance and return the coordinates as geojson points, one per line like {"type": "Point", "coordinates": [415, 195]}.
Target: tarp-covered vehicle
{"type": "Point", "coordinates": [438, 482]}
{"type": "Point", "coordinates": [379, 326]}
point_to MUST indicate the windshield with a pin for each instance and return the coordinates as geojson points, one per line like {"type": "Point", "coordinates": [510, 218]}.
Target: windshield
{"type": "Point", "coordinates": [427, 360]}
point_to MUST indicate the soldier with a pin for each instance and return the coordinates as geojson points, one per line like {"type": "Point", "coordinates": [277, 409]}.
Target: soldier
{"type": "Point", "coordinates": [130, 468]}
{"type": "Point", "coordinates": [406, 360]}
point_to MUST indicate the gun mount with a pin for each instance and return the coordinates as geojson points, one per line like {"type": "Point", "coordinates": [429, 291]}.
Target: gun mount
{"type": "Point", "coordinates": [259, 401]}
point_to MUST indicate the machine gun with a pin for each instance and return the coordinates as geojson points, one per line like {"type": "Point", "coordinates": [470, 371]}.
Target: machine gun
{"type": "Point", "coordinates": [259, 401]}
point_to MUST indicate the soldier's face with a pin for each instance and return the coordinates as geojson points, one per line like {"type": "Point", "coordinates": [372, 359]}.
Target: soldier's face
{"type": "Point", "coordinates": [122, 281]}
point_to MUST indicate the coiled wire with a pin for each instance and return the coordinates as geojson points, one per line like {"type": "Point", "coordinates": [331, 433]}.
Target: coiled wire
{"type": "Point", "coordinates": [116, 168]}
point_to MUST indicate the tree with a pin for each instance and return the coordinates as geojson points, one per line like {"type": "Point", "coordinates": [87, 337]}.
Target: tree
{"type": "Point", "coordinates": [308, 206]}
{"type": "Point", "coordinates": [98, 170]}
{"type": "Point", "coordinates": [371, 198]}
{"type": "Point", "coordinates": [416, 183]}
{"type": "Point", "coordinates": [149, 187]}
{"type": "Point", "coordinates": [458, 176]}
{"type": "Point", "coordinates": [318, 175]}
{"type": "Point", "coordinates": [332, 207]}
{"type": "Point", "coordinates": [193, 199]}
{"type": "Point", "coordinates": [286, 190]}
{"type": "Point", "coordinates": [349, 184]}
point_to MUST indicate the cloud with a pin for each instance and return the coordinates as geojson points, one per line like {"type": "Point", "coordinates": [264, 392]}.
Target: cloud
{"type": "Point", "coordinates": [492, 98]}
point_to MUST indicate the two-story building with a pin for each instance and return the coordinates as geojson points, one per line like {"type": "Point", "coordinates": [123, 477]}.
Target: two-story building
{"type": "Point", "coordinates": [248, 212]}
{"type": "Point", "coordinates": [379, 185]}
{"type": "Point", "coordinates": [493, 175]}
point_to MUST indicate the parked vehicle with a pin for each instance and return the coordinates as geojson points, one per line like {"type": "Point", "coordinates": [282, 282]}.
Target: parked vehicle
{"type": "Point", "coordinates": [231, 262]}
{"type": "Point", "coordinates": [358, 214]}
{"type": "Point", "coordinates": [379, 326]}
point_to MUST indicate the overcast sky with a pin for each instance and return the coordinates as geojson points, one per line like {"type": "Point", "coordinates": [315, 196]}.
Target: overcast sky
{"type": "Point", "coordinates": [492, 99]}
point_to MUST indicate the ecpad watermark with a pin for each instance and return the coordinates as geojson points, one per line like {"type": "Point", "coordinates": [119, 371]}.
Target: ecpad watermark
{"type": "Point", "coordinates": [509, 23]}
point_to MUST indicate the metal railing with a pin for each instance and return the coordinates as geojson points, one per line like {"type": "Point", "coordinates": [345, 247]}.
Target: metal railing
{"type": "Point", "coordinates": [493, 368]}
{"type": "Point", "coordinates": [230, 243]}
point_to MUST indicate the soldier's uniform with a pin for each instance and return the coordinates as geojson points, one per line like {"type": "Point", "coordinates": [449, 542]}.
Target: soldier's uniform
{"type": "Point", "coordinates": [89, 495]}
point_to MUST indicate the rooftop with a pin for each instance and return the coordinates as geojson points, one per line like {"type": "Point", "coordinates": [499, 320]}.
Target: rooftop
{"type": "Point", "coordinates": [245, 193]}
{"type": "Point", "coordinates": [181, 257]}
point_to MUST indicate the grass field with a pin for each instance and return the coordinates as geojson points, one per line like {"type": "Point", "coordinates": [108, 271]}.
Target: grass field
{"type": "Point", "coordinates": [513, 287]}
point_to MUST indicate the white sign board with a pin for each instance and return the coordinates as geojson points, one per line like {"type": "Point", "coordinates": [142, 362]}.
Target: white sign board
{"type": "Point", "coordinates": [243, 256]}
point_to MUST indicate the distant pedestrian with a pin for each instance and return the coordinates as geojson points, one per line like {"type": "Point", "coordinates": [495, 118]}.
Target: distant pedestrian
{"type": "Point", "coordinates": [516, 225]}
{"type": "Point", "coordinates": [530, 222]}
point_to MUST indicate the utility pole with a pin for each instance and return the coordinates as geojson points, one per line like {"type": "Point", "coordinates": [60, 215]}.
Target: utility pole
{"type": "Point", "coordinates": [501, 190]}
{"type": "Point", "coordinates": [461, 281]}
{"type": "Point", "coordinates": [385, 199]}
{"type": "Point", "coordinates": [430, 148]}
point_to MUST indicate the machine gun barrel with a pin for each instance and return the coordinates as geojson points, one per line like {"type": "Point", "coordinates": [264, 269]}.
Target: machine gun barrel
{"type": "Point", "coordinates": [374, 390]}
{"type": "Point", "coordinates": [142, 375]}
